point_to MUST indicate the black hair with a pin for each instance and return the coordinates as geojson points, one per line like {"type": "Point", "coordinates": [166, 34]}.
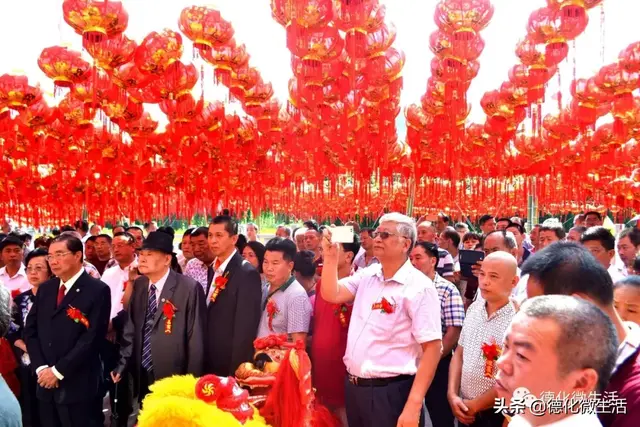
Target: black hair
{"type": "Point", "coordinates": [353, 247]}
{"type": "Point", "coordinates": [188, 232]}
{"type": "Point", "coordinates": [258, 249]}
{"type": "Point", "coordinates": [40, 252]}
{"type": "Point", "coordinates": [556, 227]}
{"type": "Point", "coordinates": [636, 265]}
{"type": "Point", "coordinates": [597, 214]}
{"type": "Point", "coordinates": [503, 220]}
{"type": "Point", "coordinates": [452, 235]}
{"type": "Point", "coordinates": [134, 227]}
{"type": "Point", "coordinates": [56, 232]}
{"type": "Point", "coordinates": [632, 233]}
{"type": "Point", "coordinates": [567, 268]}
{"type": "Point", "coordinates": [599, 234]}
{"type": "Point", "coordinates": [200, 231]}
{"type": "Point", "coordinates": [43, 241]}
{"type": "Point", "coordinates": [631, 281]}
{"type": "Point", "coordinates": [587, 338]}
{"type": "Point", "coordinates": [367, 230]}
{"type": "Point", "coordinates": [82, 225]}
{"type": "Point", "coordinates": [430, 249]}
{"type": "Point", "coordinates": [286, 246]}
{"type": "Point", "coordinates": [130, 239]}
{"type": "Point", "coordinates": [92, 239]}
{"type": "Point", "coordinates": [516, 225]}
{"type": "Point", "coordinates": [472, 236]}
{"type": "Point", "coordinates": [104, 236]}
{"type": "Point", "coordinates": [241, 242]}
{"type": "Point", "coordinates": [74, 245]}
{"type": "Point", "coordinates": [167, 230]}
{"type": "Point", "coordinates": [18, 235]}
{"type": "Point", "coordinates": [484, 218]}
{"type": "Point", "coordinates": [444, 217]}
{"type": "Point", "coordinates": [230, 224]}
{"type": "Point", "coordinates": [11, 241]}
{"type": "Point", "coordinates": [303, 264]}
{"type": "Point", "coordinates": [311, 225]}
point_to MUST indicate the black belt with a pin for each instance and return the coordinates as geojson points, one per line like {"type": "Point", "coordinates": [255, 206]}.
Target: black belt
{"type": "Point", "coordinates": [376, 382]}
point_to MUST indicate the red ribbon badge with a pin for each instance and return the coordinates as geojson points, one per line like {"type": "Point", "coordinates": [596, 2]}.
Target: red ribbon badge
{"type": "Point", "coordinates": [491, 353]}
{"type": "Point", "coordinates": [272, 310]}
{"type": "Point", "coordinates": [77, 316]}
{"type": "Point", "coordinates": [341, 311]}
{"type": "Point", "coordinates": [385, 306]}
{"type": "Point", "coordinates": [169, 311]}
{"type": "Point", "coordinates": [220, 284]}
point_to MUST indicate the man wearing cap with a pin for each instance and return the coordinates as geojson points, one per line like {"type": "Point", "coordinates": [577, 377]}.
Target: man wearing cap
{"type": "Point", "coordinates": [164, 331]}
{"type": "Point", "coordinates": [13, 274]}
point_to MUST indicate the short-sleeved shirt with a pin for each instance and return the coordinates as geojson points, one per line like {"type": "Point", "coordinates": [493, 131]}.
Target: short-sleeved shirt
{"type": "Point", "coordinates": [479, 329]}
{"type": "Point", "coordinates": [445, 263]}
{"type": "Point", "coordinates": [198, 271]}
{"type": "Point", "coordinates": [16, 284]}
{"type": "Point", "coordinates": [293, 313]}
{"type": "Point", "coordinates": [451, 305]}
{"type": "Point", "coordinates": [382, 344]}
{"type": "Point", "coordinates": [91, 270]}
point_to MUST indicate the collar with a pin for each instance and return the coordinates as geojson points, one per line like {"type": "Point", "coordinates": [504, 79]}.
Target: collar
{"type": "Point", "coordinates": [69, 283]}
{"type": "Point", "coordinates": [402, 275]}
{"type": "Point", "coordinates": [21, 272]}
{"type": "Point", "coordinates": [485, 313]}
{"type": "Point", "coordinates": [160, 283]}
{"type": "Point", "coordinates": [225, 263]}
{"type": "Point", "coordinates": [133, 263]}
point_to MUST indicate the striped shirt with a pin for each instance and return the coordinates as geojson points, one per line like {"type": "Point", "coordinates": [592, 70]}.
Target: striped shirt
{"type": "Point", "coordinates": [293, 312]}
{"type": "Point", "coordinates": [445, 263]}
{"type": "Point", "coordinates": [451, 305]}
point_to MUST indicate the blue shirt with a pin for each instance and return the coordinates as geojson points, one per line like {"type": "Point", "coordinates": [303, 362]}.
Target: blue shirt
{"type": "Point", "coordinates": [10, 415]}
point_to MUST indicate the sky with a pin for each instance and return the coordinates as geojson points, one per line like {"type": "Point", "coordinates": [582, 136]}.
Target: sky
{"type": "Point", "coordinates": [31, 25]}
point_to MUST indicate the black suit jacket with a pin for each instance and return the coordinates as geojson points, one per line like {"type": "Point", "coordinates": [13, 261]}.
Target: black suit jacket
{"type": "Point", "coordinates": [177, 353]}
{"type": "Point", "coordinates": [233, 319]}
{"type": "Point", "coordinates": [54, 339]}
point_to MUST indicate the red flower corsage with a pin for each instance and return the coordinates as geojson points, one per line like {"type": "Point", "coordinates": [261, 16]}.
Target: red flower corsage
{"type": "Point", "coordinates": [15, 293]}
{"type": "Point", "coordinates": [169, 311]}
{"type": "Point", "coordinates": [77, 316]}
{"type": "Point", "coordinates": [272, 310]}
{"type": "Point", "coordinates": [341, 311]}
{"type": "Point", "coordinates": [491, 353]}
{"type": "Point", "coordinates": [220, 284]}
{"type": "Point", "coordinates": [385, 306]}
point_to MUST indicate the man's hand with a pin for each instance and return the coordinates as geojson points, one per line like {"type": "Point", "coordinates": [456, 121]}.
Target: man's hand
{"type": "Point", "coordinates": [21, 345]}
{"type": "Point", "coordinates": [329, 250]}
{"type": "Point", "coordinates": [475, 268]}
{"type": "Point", "coordinates": [115, 377]}
{"type": "Point", "coordinates": [111, 336]}
{"type": "Point", "coordinates": [472, 407]}
{"type": "Point", "coordinates": [460, 410]}
{"type": "Point", "coordinates": [410, 416]}
{"type": "Point", "coordinates": [46, 379]}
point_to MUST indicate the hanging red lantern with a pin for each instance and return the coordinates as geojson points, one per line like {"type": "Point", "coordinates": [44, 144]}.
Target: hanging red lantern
{"type": "Point", "coordinates": [113, 52]}
{"type": "Point", "coordinates": [629, 58]}
{"type": "Point", "coordinates": [243, 79]}
{"type": "Point", "coordinates": [16, 93]}
{"type": "Point", "coordinates": [93, 90]}
{"type": "Point", "coordinates": [177, 81]}
{"type": "Point", "coordinates": [65, 67]}
{"type": "Point", "coordinates": [256, 97]}
{"type": "Point", "coordinates": [75, 113]}
{"type": "Point", "coordinates": [463, 18]}
{"type": "Point", "coordinates": [37, 115]}
{"type": "Point", "coordinates": [129, 76]}
{"type": "Point", "coordinates": [95, 20]}
{"type": "Point", "coordinates": [226, 60]}
{"type": "Point", "coordinates": [143, 127]}
{"type": "Point", "coordinates": [182, 111]}
{"type": "Point", "coordinates": [158, 51]}
{"type": "Point", "coordinates": [205, 27]}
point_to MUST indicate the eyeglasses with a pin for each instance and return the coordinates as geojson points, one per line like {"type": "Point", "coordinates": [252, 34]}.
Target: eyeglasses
{"type": "Point", "coordinates": [384, 235]}
{"type": "Point", "coordinates": [36, 269]}
{"type": "Point", "coordinates": [57, 256]}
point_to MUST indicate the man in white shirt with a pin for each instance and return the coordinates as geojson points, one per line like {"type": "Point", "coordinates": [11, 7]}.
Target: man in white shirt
{"type": "Point", "coordinates": [549, 349]}
{"type": "Point", "coordinates": [13, 274]}
{"type": "Point", "coordinates": [602, 245]}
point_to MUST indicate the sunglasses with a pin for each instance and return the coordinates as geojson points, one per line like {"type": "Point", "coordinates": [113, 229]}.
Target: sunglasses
{"type": "Point", "coordinates": [384, 235]}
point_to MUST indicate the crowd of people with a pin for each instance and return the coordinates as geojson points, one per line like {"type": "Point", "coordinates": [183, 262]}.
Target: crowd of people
{"type": "Point", "coordinates": [401, 329]}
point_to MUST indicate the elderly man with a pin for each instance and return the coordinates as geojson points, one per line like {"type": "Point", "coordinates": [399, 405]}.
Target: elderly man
{"type": "Point", "coordinates": [298, 238]}
{"type": "Point", "coordinates": [284, 232]}
{"type": "Point", "coordinates": [394, 342]}
{"type": "Point", "coordinates": [569, 269]}
{"type": "Point", "coordinates": [471, 374]}
{"type": "Point", "coordinates": [550, 347]}
{"type": "Point", "coordinates": [575, 233]}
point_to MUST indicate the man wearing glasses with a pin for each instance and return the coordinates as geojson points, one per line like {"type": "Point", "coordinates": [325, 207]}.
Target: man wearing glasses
{"type": "Point", "coordinates": [394, 341]}
{"type": "Point", "coordinates": [68, 320]}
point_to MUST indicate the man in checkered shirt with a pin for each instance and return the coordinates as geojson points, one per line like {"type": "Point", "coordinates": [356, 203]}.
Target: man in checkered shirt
{"type": "Point", "coordinates": [424, 257]}
{"type": "Point", "coordinates": [471, 375]}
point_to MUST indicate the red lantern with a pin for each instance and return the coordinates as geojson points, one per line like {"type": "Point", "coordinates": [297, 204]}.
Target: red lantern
{"type": "Point", "coordinates": [205, 27]}
{"type": "Point", "coordinates": [158, 51]}
{"type": "Point", "coordinates": [178, 81]}
{"type": "Point", "coordinates": [143, 127]}
{"type": "Point", "coordinates": [630, 58]}
{"type": "Point", "coordinates": [112, 53]}
{"type": "Point", "coordinates": [242, 80]}
{"type": "Point", "coordinates": [226, 60]}
{"type": "Point", "coordinates": [16, 94]}
{"type": "Point", "coordinates": [93, 90]}
{"type": "Point", "coordinates": [75, 113]}
{"type": "Point", "coordinates": [65, 67]}
{"type": "Point", "coordinates": [463, 18]}
{"type": "Point", "coordinates": [95, 20]}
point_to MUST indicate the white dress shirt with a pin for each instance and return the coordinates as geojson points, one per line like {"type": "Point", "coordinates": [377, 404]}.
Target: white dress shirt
{"type": "Point", "coordinates": [160, 285]}
{"type": "Point", "coordinates": [218, 272]}
{"type": "Point", "coordinates": [117, 278]}
{"type": "Point", "coordinates": [617, 273]}
{"type": "Point", "coordinates": [67, 287]}
{"type": "Point", "coordinates": [18, 282]}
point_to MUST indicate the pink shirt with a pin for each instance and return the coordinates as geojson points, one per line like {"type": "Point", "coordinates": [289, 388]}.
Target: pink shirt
{"type": "Point", "coordinates": [381, 344]}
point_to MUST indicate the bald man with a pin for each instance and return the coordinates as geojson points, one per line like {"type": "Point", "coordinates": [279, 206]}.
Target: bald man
{"type": "Point", "coordinates": [471, 391]}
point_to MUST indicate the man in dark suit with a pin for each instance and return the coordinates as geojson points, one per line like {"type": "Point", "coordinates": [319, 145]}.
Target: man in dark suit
{"type": "Point", "coordinates": [164, 331]}
{"type": "Point", "coordinates": [234, 299]}
{"type": "Point", "coordinates": [63, 332]}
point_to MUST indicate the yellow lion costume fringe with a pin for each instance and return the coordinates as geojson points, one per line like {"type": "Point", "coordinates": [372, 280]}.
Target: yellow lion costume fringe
{"type": "Point", "coordinates": [173, 402]}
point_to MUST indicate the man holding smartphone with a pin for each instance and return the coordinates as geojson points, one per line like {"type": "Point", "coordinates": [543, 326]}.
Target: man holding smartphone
{"type": "Point", "coordinates": [394, 341]}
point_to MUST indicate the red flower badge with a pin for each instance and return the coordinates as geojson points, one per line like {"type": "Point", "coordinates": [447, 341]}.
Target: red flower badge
{"type": "Point", "coordinates": [220, 284]}
{"type": "Point", "coordinates": [272, 310]}
{"type": "Point", "coordinates": [491, 353]}
{"type": "Point", "coordinates": [385, 306]}
{"type": "Point", "coordinates": [169, 311]}
{"type": "Point", "coordinates": [341, 311]}
{"type": "Point", "coordinates": [15, 293]}
{"type": "Point", "coordinates": [77, 316]}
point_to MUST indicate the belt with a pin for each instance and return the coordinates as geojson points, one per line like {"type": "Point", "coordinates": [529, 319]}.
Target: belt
{"type": "Point", "coordinates": [376, 382]}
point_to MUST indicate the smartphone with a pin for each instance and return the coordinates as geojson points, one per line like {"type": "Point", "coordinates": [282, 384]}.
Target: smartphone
{"type": "Point", "coordinates": [342, 234]}
{"type": "Point", "coordinates": [468, 259]}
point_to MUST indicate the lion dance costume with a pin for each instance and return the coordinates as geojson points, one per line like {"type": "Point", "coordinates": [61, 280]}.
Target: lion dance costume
{"type": "Point", "coordinates": [278, 382]}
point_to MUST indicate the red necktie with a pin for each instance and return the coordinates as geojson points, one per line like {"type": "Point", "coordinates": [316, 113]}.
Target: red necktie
{"type": "Point", "coordinates": [217, 265]}
{"type": "Point", "coordinates": [60, 295]}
